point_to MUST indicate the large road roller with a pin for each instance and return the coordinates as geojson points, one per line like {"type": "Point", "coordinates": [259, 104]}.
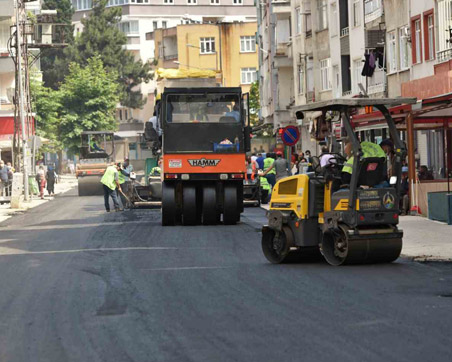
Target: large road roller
{"type": "Point", "coordinates": [96, 152]}
{"type": "Point", "coordinates": [206, 134]}
{"type": "Point", "coordinates": [354, 223]}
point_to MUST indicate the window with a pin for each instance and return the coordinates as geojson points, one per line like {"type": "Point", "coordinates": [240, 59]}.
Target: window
{"type": "Point", "coordinates": [325, 74]}
{"type": "Point", "coordinates": [403, 48]}
{"type": "Point", "coordinates": [333, 22]}
{"type": "Point", "coordinates": [310, 75]}
{"type": "Point", "coordinates": [214, 2]}
{"type": "Point", "coordinates": [237, 2]}
{"type": "Point", "coordinates": [298, 20]}
{"type": "Point", "coordinates": [164, 24]}
{"type": "Point", "coordinates": [300, 79]}
{"type": "Point", "coordinates": [192, 2]}
{"type": "Point", "coordinates": [356, 13]}
{"type": "Point", "coordinates": [416, 40]}
{"type": "Point", "coordinates": [207, 45]}
{"type": "Point", "coordinates": [155, 25]}
{"type": "Point", "coordinates": [392, 53]}
{"type": "Point", "coordinates": [168, 2]}
{"type": "Point", "coordinates": [322, 14]}
{"type": "Point", "coordinates": [248, 44]}
{"type": "Point", "coordinates": [129, 27]}
{"type": "Point", "coordinates": [429, 36]}
{"type": "Point", "coordinates": [82, 4]}
{"type": "Point", "coordinates": [249, 75]}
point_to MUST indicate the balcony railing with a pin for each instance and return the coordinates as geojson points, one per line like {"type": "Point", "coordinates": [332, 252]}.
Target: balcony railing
{"type": "Point", "coordinates": [170, 56]}
{"type": "Point", "coordinates": [373, 9]}
{"type": "Point", "coordinates": [443, 56]}
{"type": "Point", "coordinates": [345, 31]}
{"type": "Point", "coordinates": [377, 83]}
{"type": "Point", "coordinates": [347, 93]}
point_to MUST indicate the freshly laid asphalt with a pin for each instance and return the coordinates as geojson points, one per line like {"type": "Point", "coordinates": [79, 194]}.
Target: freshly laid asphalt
{"type": "Point", "coordinates": [78, 284]}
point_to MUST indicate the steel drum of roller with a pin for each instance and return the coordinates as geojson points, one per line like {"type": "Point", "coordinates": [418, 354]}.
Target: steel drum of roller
{"type": "Point", "coordinates": [374, 246]}
{"type": "Point", "coordinates": [90, 186]}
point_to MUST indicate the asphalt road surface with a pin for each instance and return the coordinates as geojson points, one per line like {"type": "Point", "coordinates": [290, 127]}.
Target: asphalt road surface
{"type": "Point", "coordinates": [78, 284]}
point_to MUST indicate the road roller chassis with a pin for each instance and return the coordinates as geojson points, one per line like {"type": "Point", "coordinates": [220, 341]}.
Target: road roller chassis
{"type": "Point", "coordinates": [355, 223]}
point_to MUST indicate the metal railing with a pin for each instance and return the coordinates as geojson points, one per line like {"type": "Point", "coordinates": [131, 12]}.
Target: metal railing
{"type": "Point", "coordinates": [170, 56]}
{"type": "Point", "coordinates": [377, 83]}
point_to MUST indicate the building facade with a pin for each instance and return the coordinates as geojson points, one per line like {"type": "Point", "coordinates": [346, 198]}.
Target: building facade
{"type": "Point", "coordinates": [140, 17]}
{"type": "Point", "coordinates": [227, 48]}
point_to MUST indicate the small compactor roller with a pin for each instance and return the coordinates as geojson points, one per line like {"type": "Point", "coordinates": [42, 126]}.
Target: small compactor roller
{"type": "Point", "coordinates": [349, 224]}
{"type": "Point", "coordinates": [96, 152]}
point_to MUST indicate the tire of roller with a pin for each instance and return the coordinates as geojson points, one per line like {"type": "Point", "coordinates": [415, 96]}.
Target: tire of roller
{"type": "Point", "coordinates": [277, 254]}
{"type": "Point", "coordinates": [231, 214]}
{"type": "Point", "coordinates": [169, 209]}
{"type": "Point", "coordinates": [189, 205]}
{"type": "Point", "coordinates": [210, 212]}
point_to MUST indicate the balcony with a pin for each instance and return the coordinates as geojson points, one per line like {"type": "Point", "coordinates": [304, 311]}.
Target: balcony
{"type": "Point", "coordinates": [281, 7]}
{"type": "Point", "coordinates": [377, 84]}
{"type": "Point", "coordinates": [443, 56]}
{"type": "Point", "coordinates": [373, 9]}
{"type": "Point", "coordinates": [170, 56]}
{"type": "Point", "coordinates": [345, 31]}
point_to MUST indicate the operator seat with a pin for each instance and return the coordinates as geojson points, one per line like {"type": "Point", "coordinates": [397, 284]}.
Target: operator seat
{"type": "Point", "coordinates": [372, 171]}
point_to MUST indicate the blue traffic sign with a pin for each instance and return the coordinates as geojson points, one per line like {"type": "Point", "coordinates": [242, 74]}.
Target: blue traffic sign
{"type": "Point", "coordinates": [290, 135]}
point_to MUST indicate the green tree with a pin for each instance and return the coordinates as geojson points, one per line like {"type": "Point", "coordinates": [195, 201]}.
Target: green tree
{"type": "Point", "coordinates": [88, 99]}
{"type": "Point", "coordinates": [47, 107]}
{"type": "Point", "coordinates": [53, 62]}
{"type": "Point", "coordinates": [101, 36]}
{"type": "Point", "coordinates": [255, 105]}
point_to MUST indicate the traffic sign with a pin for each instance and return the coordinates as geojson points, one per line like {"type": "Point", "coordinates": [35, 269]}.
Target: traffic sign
{"type": "Point", "coordinates": [290, 135]}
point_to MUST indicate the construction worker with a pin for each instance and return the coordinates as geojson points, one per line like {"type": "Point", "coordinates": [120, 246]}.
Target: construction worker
{"type": "Point", "coordinates": [265, 188]}
{"type": "Point", "coordinates": [368, 149]}
{"type": "Point", "coordinates": [281, 167]}
{"type": "Point", "coordinates": [110, 181]}
{"type": "Point", "coordinates": [156, 171]}
{"type": "Point", "coordinates": [269, 171]}
{"type": "Point", "coordinates": [124, 173]}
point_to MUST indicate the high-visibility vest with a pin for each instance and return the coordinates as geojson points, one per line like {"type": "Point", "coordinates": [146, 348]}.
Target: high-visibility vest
{"type": "Point", "coordinates": [369, 149]}
{"type": "Point", "coordinates": [264, 184]}
{"type": "Point", "coordinates": [155, 170]}
{"type": "Point", "coordinates": [121, 178]}
{"type": "Point", "coordinates": [108, 179]}
{"type": "Point", "coordinates": [268, 162]}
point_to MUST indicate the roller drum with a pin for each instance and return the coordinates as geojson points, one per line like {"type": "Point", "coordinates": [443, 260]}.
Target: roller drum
{"type": "Point", "coordinates": [90, 186]}
{"type": "Point", "coordinates": [342, 248]}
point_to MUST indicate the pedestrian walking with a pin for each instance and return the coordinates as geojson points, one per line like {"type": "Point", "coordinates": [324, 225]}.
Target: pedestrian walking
{"type": "Point", "coordinates": [3, 179]}
{"type": "Point", "coordinates": [51, 178]}
{"type": "Point", "coordinates": [110, 182]}
{"type": "Point", "coordinates": [41, 179]}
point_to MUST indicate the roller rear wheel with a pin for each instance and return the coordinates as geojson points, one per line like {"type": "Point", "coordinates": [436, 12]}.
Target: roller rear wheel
{"type": "Point", "coordinates": [231, 213]}
{"type": "Point", "coordinates": [189, 205]}
{"type": "Point", "coordinates": [169, 209]}
{"type": "Point", "coordinates": [276, 245]}
{"type": "Point", "coordinates": [210, 212]}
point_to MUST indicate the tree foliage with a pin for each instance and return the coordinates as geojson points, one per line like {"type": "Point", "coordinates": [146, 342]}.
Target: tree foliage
{"type": "Point", "coordinates": [254, 104]}
{"type": "Point", "coordinates": [102, 36]}
{"type": "Point", "coordinates": [53, 62]}
{"type": "Point", "coordinates": [88, 99]}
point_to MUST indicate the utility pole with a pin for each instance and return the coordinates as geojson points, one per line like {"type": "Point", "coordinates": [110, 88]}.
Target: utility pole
{"type": "Point", "coordinates": [21, 99]}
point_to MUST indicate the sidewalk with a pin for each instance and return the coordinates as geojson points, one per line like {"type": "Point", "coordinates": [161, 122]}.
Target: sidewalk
{"type": "Point", "coordinates": [423, 239]}
{"type": "Point", "coordinates": [67, 182]}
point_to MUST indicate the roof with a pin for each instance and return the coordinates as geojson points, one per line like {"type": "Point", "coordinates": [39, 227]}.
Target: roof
{"type": "Point", "coordinates": [338, 103]}
{"type": "Point", "coordinates": [128, 134]}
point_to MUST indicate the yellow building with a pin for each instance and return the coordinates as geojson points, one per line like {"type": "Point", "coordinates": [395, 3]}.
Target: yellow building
{"type": "Point", "coordinates": [228, 48]}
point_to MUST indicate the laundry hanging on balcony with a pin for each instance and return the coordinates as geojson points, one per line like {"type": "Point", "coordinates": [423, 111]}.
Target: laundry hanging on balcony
{"type": "Point", "coordinates": [369, 65]}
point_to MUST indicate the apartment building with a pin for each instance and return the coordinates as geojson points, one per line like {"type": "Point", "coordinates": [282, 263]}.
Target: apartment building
{"type": "Point", "coordinates": [227, 48]}
{"type": "Point", "coordinates": [145, 16]}
{"type": "Point", "coordinates": [7, 75]}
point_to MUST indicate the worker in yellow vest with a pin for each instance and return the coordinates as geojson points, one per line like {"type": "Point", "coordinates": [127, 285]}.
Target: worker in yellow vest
{"type": "Point", "coordinates": [110, 181]}
{"type": "Point", "coordinates": [124, 181]}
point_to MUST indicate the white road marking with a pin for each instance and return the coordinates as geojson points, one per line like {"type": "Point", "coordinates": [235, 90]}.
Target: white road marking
{"type": "Point", "coordinates": [189, 268]}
